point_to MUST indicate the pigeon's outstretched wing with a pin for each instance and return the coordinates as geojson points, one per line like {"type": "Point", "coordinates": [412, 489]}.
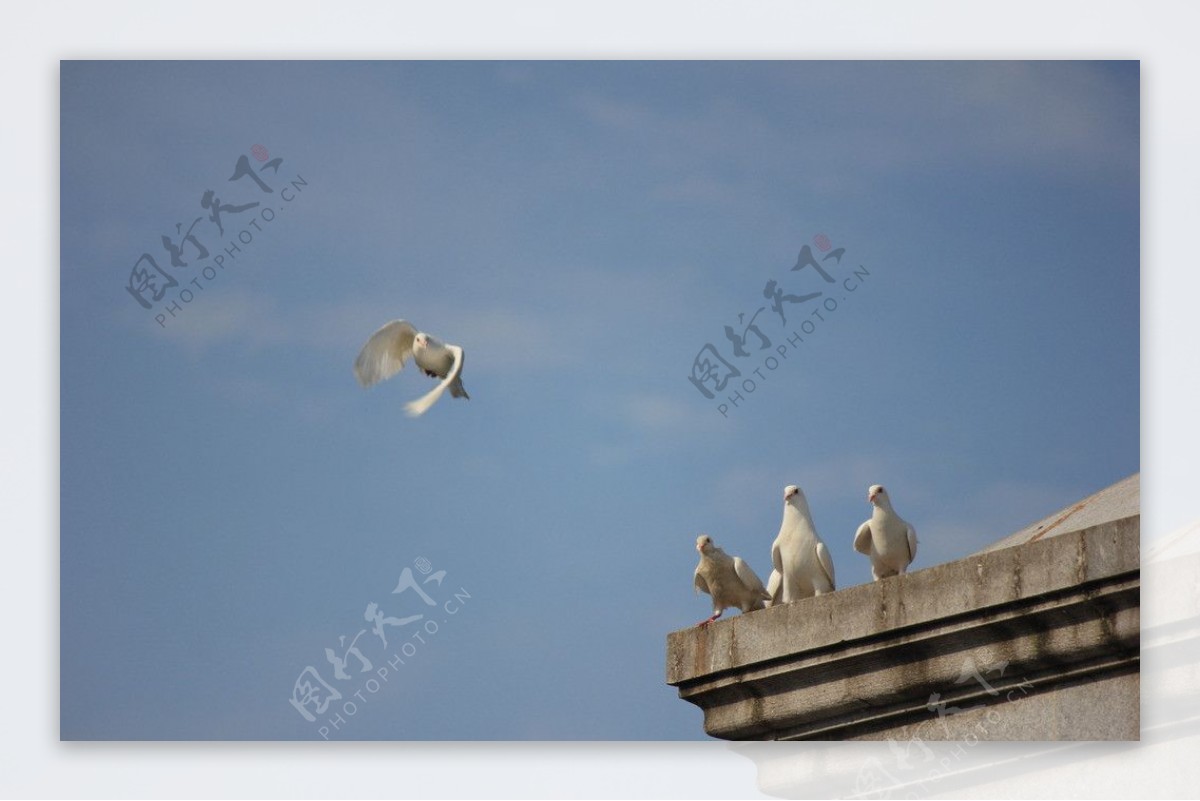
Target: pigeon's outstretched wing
{"type": "Point", "coordinates": [862, 539]}
{"type": "Point", "coordinates": [699, 584]}
{"type": "Point", "coordinates": [385, 353]}
{"type": "Point", "coordinates": [826, 563]}
{"type": "Point", "coordinates": [912, 543]}
{"type": "Point", "coordinates": [421, 405]}
{"type": "Point", "coordinates": [748, 577]}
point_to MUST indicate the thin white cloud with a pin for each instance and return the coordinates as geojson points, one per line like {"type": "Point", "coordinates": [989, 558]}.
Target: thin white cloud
{"type": "Point", "coordinates": [859, 122]}
{"type": "Point", "coordinates": [500, 340]}
{"type": "Point", "coordinates": [505, 340]}
{"type": "Point", "coordinates": [696, 189]}
{"type": "Point", "coordinates": [218, 318]}
{"type": "Point", "coordinates": [653, 424]}
{"type": "Point", "coordinates": [623, 115]}
{"type": "Point", "coordinates": [651, 413]}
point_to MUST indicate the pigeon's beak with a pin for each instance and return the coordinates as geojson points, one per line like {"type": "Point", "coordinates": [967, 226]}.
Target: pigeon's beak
{"type": "Point", "coordinates": [871, 498]}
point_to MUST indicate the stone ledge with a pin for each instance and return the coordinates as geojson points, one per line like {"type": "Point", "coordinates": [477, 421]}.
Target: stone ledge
{"type": "Point", "coordinates": [867, 659]}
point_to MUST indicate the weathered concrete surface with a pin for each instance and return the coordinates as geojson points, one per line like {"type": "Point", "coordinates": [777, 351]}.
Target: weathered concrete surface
{"type": "Point", "coordinates": [1116, 502]}
{"type": "Point", "coordinates": [1037, 635]}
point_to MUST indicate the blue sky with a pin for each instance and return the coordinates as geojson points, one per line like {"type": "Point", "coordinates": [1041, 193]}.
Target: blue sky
{"type": "Point", "coordinates": [232, 500]}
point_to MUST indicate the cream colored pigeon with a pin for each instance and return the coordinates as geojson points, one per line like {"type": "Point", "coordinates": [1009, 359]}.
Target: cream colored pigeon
{"type": "Point", "coordinates": [798, 554]}
{"type": "Point", "coordinates": [729, 580]}
{"type": "Point", "coordinates": [773, 582]}
{"type": "Point", "coordinates": [392, 345]}
{"type": "Point", "coordinates": [886, 538]}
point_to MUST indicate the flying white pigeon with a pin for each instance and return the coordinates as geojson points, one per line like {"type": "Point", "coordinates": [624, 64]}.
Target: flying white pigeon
{"type": "Point", "coordinates": [798, 554]}
{"type": "Point", "coordinates": [729, 581]}
{"type": "Point", "coordinates": [886, 538]}
{"type": "Point", "coordinates": [390, 347]}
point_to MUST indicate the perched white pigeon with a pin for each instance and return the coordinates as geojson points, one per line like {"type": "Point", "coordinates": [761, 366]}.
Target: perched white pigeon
{"type": "Point", "coordinates": [729, 581]}
{"type": "Point", "coordinates": [798, 554]}
{"type": "Point", "coordinates": [390, 347]}
{"type": "Point", "coordinates": [773, 585]}
{"type": "Point", "coordinates": [886, 538]}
